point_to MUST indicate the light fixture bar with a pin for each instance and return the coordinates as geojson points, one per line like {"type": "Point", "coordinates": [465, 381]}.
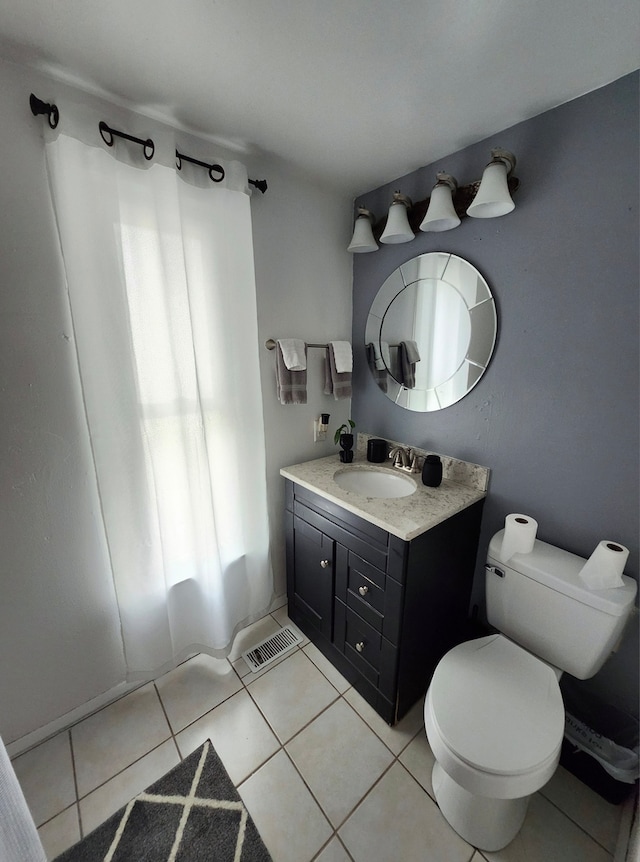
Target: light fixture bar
{"type": "Point", "coordinates": [496, 200]}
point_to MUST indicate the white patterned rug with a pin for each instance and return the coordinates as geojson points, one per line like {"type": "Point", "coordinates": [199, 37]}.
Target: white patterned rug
{"type": "Point", "coordinates": [192, 814]}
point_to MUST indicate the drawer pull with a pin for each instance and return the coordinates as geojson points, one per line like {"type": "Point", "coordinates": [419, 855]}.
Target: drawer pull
{"type": "Point", "coordinates": [363, 590]}
{"type": "Point", "coordinates": [360, 646]}
{"type": "Point", "coordinates": [324, 563]}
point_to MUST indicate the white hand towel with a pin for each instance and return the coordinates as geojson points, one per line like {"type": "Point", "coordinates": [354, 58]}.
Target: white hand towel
{"type": "Point", "coordinates": [385, 352]}
{"type": "Point", "coordinates": [382, 355]}
{"type": "Point", "coordinates": [335, 383]}
{"type": "Point", "coordinates": [294, 353]}
{"type": "Point", "coordinates": [291, 385]}
{"type": "Point", "coordinates": [413, 354]}
{"type": "Point", "coordinates": [343, 356]}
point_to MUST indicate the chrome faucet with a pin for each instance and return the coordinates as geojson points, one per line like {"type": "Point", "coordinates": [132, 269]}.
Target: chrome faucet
{"type": "Point", "coordinates": [404, 459]}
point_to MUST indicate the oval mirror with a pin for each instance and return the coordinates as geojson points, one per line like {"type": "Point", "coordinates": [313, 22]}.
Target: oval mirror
{"type": "Point", "coordinates": [431, 331]}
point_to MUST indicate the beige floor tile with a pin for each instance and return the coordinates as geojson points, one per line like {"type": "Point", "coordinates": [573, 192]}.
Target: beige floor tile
{"type": "Point", "coordinates": [585, 807]}
{"type": "Point", "coordinates": [340, 756]}
{"type": "Point", "coordinates": [396, 737]}
{"type": "Point", "coordinates": [418, 759]}
{"type": "Point", "coordinates": [548, 834]}
{"type": "Point", "coordinates": [107, 799]}
{"type": "Point", "coordinates": [324, 665]}
{"type": "Point", "coordinates": [195, 687]}
{"type": "Point", "coordinates": [112, 739]}
{"type": "Point", "coordinates": [241, 668]}
{"type": "Point", "coordinates": [239, 733]}
{"type": "Point", "coordinates": [60, 833]}
{"type": "Point", "coordinates": [333, 852]}
{"type": "Point", "coordinates": [398, 820]}
{"type": "Point", "coordinates": [291, 694]}
{"type": "Point", "coordinates": [340, 759]}
{"type": "Point", "coordinates": [248, 676]}
{"type": "Point", "coordinates": [288, 818]}
{"type": "Point", "coordinates": [46, 777]}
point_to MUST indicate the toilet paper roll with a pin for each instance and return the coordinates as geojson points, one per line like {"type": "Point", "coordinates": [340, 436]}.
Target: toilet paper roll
{"type": "Point", "coordinates": [519, 536]}
{"type": "Point", "coordinates": [603, 570]}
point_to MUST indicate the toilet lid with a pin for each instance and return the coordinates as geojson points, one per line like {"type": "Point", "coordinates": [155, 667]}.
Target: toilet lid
{"type": "Point", "coordinates": [496, 706]}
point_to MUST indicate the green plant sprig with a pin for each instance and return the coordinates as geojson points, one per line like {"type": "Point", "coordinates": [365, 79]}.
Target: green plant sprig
{"type": "Point", "coordinates": [344, 429]}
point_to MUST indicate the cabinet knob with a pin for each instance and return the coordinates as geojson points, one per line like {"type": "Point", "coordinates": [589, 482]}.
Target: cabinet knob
{"type": "Point", "coordinates": [324, 563]}
{"type": "Point", "coordinates": [363, 590]}
{"type": "Point", "coordinates": [360, 646]}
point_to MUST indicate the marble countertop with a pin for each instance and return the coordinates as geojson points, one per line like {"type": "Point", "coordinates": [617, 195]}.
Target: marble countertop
{"type": "Point", "coordinates": [405, 517]}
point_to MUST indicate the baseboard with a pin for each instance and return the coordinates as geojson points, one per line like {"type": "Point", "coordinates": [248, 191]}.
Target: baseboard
{"type": "Point", "coordinates": [277, 603]}
{"type": "Point", "coordinates": [627, 845]}
{"type": "Point", "coordinates": [30, 740]}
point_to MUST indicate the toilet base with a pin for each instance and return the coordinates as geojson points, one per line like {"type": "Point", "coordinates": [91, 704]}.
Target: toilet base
{"type": "Point", "coordinates": [486, 823]}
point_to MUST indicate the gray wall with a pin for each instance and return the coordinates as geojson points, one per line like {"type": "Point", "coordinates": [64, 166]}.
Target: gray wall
{"type": "Point", "coordinates": [556, 415]}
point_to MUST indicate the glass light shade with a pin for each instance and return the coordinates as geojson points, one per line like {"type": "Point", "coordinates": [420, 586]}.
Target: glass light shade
{"type": "Point", "coordinates": [398, 228]}
{"type": "Point", "coordinates": [363, 239]}
{"type": "Point", "coordinates": [493, 198]}
{"type": "Point", "coordinates": [441, 214]}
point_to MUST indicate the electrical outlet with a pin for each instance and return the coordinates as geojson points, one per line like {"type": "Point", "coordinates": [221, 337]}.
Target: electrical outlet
{"type": "Point", "coordinates": [320, 426]}
{"type": "Point", "coordinates": [319, 431]}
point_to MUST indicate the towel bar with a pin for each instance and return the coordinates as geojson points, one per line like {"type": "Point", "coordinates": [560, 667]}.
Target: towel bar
{"type": "Point", "coordinates": [270, 344]}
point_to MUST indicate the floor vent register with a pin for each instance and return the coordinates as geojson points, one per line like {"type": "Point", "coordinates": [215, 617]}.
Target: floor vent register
{"type": "Point", "coordinates": [274, 647]}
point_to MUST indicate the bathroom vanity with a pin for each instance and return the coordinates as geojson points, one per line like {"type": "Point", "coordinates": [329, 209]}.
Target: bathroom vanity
{"type": "Point", "coordinates": [382, 586]}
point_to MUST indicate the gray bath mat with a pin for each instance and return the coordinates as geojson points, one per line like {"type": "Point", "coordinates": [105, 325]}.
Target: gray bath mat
{"type": "Point", "coordinates": [192, 814]}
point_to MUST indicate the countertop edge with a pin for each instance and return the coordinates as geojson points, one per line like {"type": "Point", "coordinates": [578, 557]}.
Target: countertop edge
{"type": "Point", "coordinates": [341, 498]}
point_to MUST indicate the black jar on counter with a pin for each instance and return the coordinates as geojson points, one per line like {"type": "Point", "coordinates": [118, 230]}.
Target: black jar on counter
{"type": "Point", "coordinates": [376, 450]}
{"type": "Point", "coordinates": [432, 471]}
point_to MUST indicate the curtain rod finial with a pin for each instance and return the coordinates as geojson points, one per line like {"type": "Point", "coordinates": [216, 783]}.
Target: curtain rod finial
{"type": "Point", "coordinates": [39, 107]}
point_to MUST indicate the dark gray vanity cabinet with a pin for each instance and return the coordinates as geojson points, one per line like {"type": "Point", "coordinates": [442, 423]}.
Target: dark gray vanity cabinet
{"type": "Point", "coordinates": [382, 610]}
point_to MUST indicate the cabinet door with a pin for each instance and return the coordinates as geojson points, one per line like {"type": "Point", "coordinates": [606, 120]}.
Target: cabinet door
{"type": "Point", "coordinates": [313, 578]}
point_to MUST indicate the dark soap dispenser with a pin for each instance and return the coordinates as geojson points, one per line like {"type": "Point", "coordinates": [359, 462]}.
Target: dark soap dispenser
{"type": "Point", "coordinates": [432, 471]}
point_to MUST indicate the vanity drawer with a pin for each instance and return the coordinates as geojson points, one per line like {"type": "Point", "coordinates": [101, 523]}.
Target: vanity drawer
{"type": "Point", "coordinates": [365, 590]}
{"type": "Point", "coordinates": [367, 540]}
{"type": "Point", "coordinates": [373, 595]}
{"type": "Point", "coordinates": [373, 656]}
{"type": "Point", "coordinates": [362, 645]}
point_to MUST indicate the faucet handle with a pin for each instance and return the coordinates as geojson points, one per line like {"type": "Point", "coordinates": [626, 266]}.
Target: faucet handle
{"type": "Point", "coordinates": [394, 455]}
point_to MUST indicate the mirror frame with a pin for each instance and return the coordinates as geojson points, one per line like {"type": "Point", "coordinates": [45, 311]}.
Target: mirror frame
{"type": "Point", "coordinates": [428, 267]}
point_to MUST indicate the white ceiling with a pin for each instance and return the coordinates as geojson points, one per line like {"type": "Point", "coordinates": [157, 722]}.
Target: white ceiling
{"type": "Point", "coordinates": [354, 92]}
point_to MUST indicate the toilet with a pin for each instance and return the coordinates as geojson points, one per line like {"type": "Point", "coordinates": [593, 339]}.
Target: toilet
{"type": "Point", "coordinates": [493, 713]}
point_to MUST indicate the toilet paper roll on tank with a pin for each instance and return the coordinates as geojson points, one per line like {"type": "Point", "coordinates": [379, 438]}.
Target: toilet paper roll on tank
{"type": "Point", "coordinates": [519, 536]}
{"type": "Point", "coordinates": [602, 571]}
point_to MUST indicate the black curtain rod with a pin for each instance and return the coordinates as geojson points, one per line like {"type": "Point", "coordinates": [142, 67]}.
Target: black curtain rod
{"type": "Point", "coordinates": [261, 185]}
{"type": "Point", "coordinates": [107, 133]}
{"type": "Point", "coordinates": [210, 168]}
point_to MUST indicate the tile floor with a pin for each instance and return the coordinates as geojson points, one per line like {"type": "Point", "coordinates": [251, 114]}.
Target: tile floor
{"type": "Point", "coordinates": [324, 778]}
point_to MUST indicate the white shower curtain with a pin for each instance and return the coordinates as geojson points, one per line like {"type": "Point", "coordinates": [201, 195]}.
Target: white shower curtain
{"type": "Point", "coordinates": [19, 840]}
{"type": "Point", "coordinates": [162, 295]}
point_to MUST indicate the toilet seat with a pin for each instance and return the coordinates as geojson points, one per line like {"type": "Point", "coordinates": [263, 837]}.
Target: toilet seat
{"type": "Point", "coordinates": [495, 718]}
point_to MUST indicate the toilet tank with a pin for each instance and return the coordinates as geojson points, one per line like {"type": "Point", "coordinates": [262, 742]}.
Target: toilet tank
{"type": "Point", "coordinates": [539, 601]}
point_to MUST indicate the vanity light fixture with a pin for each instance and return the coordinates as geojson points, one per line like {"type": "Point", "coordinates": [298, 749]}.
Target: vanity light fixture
{"type": "Point", "coordinates": [363, 240]}
{"type": "Point", "coordinates": [398, 228]}
{"type": "Point", "coordinates": [441, 214]}
{"type": "Point", "coordinates": [489, 197]}
{"type": "Point", "coordinates": [493, 198]}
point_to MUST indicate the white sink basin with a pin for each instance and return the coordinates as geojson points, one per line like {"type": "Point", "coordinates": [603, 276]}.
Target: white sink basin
{"type": "Point", "coordinates": [374, 482]}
